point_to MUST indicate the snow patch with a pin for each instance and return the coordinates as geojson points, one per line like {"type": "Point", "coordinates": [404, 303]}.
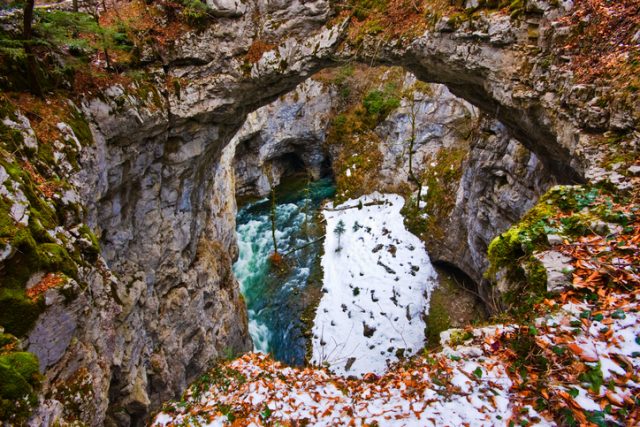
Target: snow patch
{"type": "Point", "coordinates": [377, 283]}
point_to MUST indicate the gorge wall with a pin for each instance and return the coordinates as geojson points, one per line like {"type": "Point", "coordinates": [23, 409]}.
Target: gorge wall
{"type": "Point", "coordinates": [164, 303]}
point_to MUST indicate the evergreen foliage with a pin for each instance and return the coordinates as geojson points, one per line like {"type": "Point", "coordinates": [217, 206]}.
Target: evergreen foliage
{"type": "Point", "coordinates": [339, 231]}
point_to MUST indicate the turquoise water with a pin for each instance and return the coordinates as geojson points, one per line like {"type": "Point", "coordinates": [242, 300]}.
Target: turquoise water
{"type": "Point", "coordinates": [276, 301]}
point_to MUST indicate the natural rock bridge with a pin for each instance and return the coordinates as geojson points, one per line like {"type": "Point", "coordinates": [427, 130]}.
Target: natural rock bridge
{"type": "Point", "coordinates": [165, 210]}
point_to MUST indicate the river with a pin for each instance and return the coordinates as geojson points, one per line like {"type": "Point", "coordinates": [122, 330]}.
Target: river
{"type": "Point", "coordinates": [280, 304]}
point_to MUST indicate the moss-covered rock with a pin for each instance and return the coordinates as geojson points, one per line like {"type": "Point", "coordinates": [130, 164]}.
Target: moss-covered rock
{"type": "Point", "coordinates": [38, 245]}
{"type": "Point", "coordinates": [440, 182]}
{"type": "Point", "coordinates": [569, 211]}
{"type": "Point", "coordinates": [18, 313]}
{"type": "Point", "coordinates": [19, 379]}
{"type": "Point", "coordinates": [437, 321]}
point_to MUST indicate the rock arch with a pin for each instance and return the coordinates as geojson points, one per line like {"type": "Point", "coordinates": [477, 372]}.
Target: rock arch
{"type": "Point", "coordinates": [154, 189]}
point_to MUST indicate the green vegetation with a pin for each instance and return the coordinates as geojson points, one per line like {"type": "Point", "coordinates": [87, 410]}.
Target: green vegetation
{"type": "Point", "coordinates": [19, 380]}
{"type": "Point", "coordinates": [437, 321]}
{"type": "Point", "coordinates": [379, 103]}
{"type": "Point", "coordinates": [195, 12]}
{"type": "Point", "coordinates": [33, 245]}
{"type": "Point", "coordinates": [362, 108]}
{"type": "Point", "coordinates": [570, 211]}
{"type": "Point", "coordinates": [362, 9]}
{"type": "Point", "coordinates": [459, 337]}
{"type": "Point", "coordinates": [219, 377]}
{"type": "Point", "coordinates": [441, 181]}
{"type": "Point", "coordinates": [451, 305]}
{"type": "Point", "coordinates": [72, 37]}
{"type": "Point", "coordinates": [339, 231]}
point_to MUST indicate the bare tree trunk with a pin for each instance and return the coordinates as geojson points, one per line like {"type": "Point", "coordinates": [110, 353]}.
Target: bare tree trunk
{"type": "Point", "coordinates": [75, 5]}
{"type": "Point", "coordinates": [412, 143]}
{"type": "Point", "coordinates": [273, 219]}
{"type": "Point", "coordinates": [27, 34]}
{"type": "Point", "coordinates": [268, 172]}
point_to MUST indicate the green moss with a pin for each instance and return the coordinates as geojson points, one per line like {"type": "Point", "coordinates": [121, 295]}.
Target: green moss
{"type": "Point", "coordinates": [528, 234]}
{"type": "Point", "coordinates": [437, 321]}
{"type": "Point", "coordinates": [91, 252]}
{"type": "Point", "coordinates": [579, 205]}
{"type": "Point", "coordinates": [517, 9]}
{"type": "Point", "coordinates": [7, 224]}
{"type": "Point", "coordinates": [362, 9]}
{"type": "Point", "coordinates": [12, 384]}
{"type": "Point", "coordinates": [530, 278]}
{"type": "Point", "coordinates": [379, 103]}
{"type": "Point", "coordinates": [19, 379]}
{"type": "Point", "coordinates": [459, 337]}
{"type": "Point", "coordinates": [80, 127]}
{"type": "Point", "coordinates": [536, 275]}
{"type": "Point", "coordinates": [54, 257]}
{"type": "Point", "coordinates": [37, 229]}
{"type": "Point", "coordinates": [440, 184]}
{"type": "Point", "coordinates": [11, 138]}
{"type": "Point", "coordinates": [568, 211]}
{"type": "Point", "coordinates": [38, 207]}
{"type": "Point", "coordinates": [23, 262]}
{"type": "Point", "coordinates": [195, 12]}
{"type": "Point", "coordinates": [7, 109]}
{"type": "Point", "coordinates": [17, 312]}
{"type": "Point", "coordinates": [24, 363]}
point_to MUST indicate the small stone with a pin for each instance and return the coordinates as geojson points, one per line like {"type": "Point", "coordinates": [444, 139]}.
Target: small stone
{"type": "Point", "coordinates": [227, 8]}
{"type": "Point", "coordinates": [554, 239]}
{"type": "Point", "coordinates": [557, 267]}
{"type": "Point", "coordinates": [634, 170]}
{"type": "Point", "coordinates": [599, 227]}
{"type": "Point", "coordinates": [445, 25]}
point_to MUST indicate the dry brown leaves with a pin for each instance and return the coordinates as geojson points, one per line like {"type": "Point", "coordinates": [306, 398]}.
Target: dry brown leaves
{"type": "Point", "coordinates": [602, 42]}
{"type": "Point", "coordinates": [49, 281]}
{"type": "Point", "coordinates": [147, 21]}
{"type": "Point", "coordinates": [43, 114]}
{"type": "Point", "coordinates": [400, 18]}
{"type": "Point", "coordinates": [257, 48]}
{"type": "Point", "coordinates": [94, 79]}
{"type": "Point", "coordinates": [604, 264]}
{"type": "Point", "coordinates": [606, 276]}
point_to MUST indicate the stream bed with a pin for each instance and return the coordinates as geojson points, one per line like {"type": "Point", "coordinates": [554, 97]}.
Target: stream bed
{"type": "Point", "coordinates": [280, 303]}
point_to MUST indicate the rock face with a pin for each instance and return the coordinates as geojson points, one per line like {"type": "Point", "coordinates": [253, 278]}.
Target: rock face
{"type": "Point", "coordinates": [151, 180]}
{"type": "Point", "coordinates": [501, 181]}
{"type": "Point", "coordinates": [181, 307]}
{"type": "Point", "coordinates": [441, 121]}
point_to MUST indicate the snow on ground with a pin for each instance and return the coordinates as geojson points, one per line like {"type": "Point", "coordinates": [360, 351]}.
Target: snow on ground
{"type": "Point", "coordinates": [376, 288]}
{"type": "Point", "coordinates": [474, 381]}
{"type": "Point", "coordinates": [259, 391]}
